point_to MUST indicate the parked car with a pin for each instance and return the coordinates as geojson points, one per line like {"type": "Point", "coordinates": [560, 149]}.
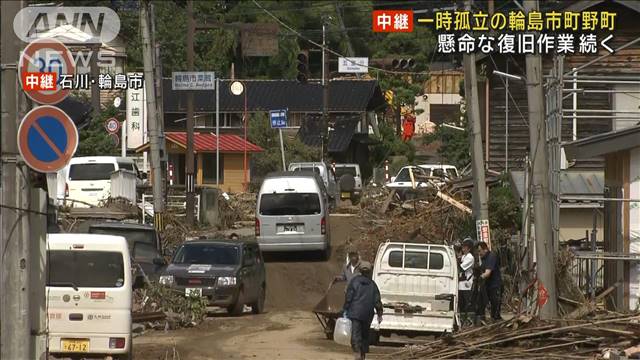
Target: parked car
{"type": "Point", "coordinates": [88, 179]}
{"type": "Point", "coordinates": [349, 180]}
{"type": "Point", "coordinates": [229, 273]}
{"type": "Point", "coordinates": [89, 295]}
{"type": "Point", "coordinates": [143, 241]}
{"type": "Point", "coordinates": [418, 286]}
{"type": "Point", "coordinates": [325, 172]}
{"type": "Point", "coordinates": [441, 172]}
{"type": "Point", "coordinates": [292, 213]}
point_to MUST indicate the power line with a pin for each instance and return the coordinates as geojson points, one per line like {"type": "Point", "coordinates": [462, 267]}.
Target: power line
{"type": "Point", "coordinates": [326, 48]}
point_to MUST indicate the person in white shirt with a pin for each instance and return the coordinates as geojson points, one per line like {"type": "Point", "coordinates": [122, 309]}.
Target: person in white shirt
{"type": "Point", "coordinates": [351, 269]}
{"type": "Point", "coordinates": [465, 283]}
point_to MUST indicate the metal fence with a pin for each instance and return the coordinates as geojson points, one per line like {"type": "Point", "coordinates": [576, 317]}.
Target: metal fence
{"type": "Point", "coordinates": [123, 185]}
{"type": "Point", "coordinates": [582, 271]}
{"type": "Point", "coordinates": [176, 204]}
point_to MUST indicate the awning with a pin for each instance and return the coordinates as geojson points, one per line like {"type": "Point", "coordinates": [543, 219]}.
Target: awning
{"type": "Point", "coordinates": [206, 142]}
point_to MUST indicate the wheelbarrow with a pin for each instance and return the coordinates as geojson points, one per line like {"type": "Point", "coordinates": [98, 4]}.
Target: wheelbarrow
{"type": "Point", "coordinates": [329, 309]}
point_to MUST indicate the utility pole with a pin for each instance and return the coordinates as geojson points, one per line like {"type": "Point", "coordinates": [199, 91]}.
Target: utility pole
{"type": "Point", "coordinates": [152, 113]}
{"type": "Point", "coordinates": [157, 65]}
{"type": "Point", "coordinates": [325, 93]}
{"type": "Point", "coordinates": [189, 155]}
{"type": "Point", "coordinates": [480, 207]}
{"type": "Point", "coordinates": [15, 263]}
{"type": "Point", "coordinates": [545, 266]}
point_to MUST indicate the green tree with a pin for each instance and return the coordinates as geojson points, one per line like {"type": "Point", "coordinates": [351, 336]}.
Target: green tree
{"type": "Point", "coordinates": [94, 139]}
{"type": "Point", "coordinates": [261, 133]}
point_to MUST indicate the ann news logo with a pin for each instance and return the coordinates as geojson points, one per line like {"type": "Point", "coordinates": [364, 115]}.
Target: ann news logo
{"type": "Point", "coordinates": [392, 20]}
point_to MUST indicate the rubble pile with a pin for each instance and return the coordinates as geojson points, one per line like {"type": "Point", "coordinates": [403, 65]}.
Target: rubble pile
{"type": "Point", "coordinates": [237, 210]}
{"type": "Point", "coordinates": [161, 308]}
{"type": "Point", "coordinates": [605, 335]}
{"type": "Point", "coordinates": [425, 218]}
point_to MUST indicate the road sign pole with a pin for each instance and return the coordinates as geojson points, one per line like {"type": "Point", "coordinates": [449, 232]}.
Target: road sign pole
{"type": "Point", "coordinates": [284, 164]}
{"type": "Point", "coordinates": [217, 133]}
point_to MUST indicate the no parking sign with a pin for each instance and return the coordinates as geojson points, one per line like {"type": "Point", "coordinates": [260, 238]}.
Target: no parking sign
{"type": "Point", "coordinates": [47, 139]}
{"type": "Point", "coordinates": [42, 65]}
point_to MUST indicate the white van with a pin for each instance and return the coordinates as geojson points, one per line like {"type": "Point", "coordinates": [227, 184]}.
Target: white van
{"type": "Point", "coordinates": [88, 179]}
{"type": "Point", "coordinates": [292, 213]}
{"type": "Point", "coordinates": [418, 286]}
{"type": "Point", "coordinates": [89, 295]}
{"type": "Point", "coordinates": [325, 172]}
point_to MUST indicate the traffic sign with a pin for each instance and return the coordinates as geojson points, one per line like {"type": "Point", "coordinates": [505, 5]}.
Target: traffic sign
{"type": "Point", "coordinates": [41, 57]}
{"type": "Point", "coordinates": [47, 139]}
{"type": "Point", "coordinates": [112, 125]}
{"type": "Point", "coordinates": [353, 65]}
{"type": "Point", "coordinates": [278, 118]}
{"type": "Point", "coordinates": [193, 80]}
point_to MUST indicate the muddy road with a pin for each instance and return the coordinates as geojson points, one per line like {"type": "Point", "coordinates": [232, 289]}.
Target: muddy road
{"type": "Point", "coordinates": [287, 330]}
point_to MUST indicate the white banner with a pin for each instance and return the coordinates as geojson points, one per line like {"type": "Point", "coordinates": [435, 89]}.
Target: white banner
{"type": "Point", "coordinates": [353, 65]}
{"type": "Point", "coordinates": [634, 227]}
{"type": "Point", "coordinates": [136, 117]}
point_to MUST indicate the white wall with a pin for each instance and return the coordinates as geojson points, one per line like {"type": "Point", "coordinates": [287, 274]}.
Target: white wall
{"type": "Point", "coordinates": [423, 121]}
{"type": "Point", "coordinates": [626, 102]}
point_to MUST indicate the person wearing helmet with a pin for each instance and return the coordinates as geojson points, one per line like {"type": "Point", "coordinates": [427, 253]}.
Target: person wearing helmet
{"type": "Point", "coordinates": [465, 283]}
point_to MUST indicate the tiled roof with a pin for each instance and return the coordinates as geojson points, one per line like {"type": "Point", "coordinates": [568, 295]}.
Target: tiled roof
{"type": "Point", "coordinates": [265, 95]}
{"type": "Point", "coordinates": [206, 142]}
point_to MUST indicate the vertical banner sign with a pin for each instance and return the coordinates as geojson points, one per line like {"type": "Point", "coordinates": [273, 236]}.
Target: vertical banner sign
{"type": "Point", "coordinates": [482, 230]}
{"type": "Point", "coordinates": [136, 117]}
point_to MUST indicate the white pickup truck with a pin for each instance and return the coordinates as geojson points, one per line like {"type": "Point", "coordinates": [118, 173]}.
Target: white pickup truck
{"type": "Point", "coordinates": [419, 289]}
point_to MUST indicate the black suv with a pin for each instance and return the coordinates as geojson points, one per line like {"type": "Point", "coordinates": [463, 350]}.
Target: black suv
{"type": "Point", "coordinates": [229, 273]}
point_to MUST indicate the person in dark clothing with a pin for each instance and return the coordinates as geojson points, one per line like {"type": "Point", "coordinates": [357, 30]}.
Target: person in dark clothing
{"type": "Point", "coordinates": [362, 298]}
{"type": "Point", "coordinates": [490, 283]}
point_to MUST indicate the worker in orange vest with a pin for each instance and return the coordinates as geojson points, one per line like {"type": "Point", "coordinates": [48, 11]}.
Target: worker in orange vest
{"type": "Point", "coordinates": [408, 127]}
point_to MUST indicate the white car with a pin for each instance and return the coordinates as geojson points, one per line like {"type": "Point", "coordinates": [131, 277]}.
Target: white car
{"type": "Point", "coordinates": [89, 295]}
{"type": "Point", "coordinates": [418, 287]}
{"type": "Point", "coordinates": [88, 179]}
{"type": "Point", "coordinates": [353, 170]}
{"type": "Point", "coordinates": [424, 176]}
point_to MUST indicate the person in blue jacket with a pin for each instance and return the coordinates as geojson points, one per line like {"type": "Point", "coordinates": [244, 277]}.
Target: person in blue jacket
{"type": "Point", "coordinates": [362, 299]}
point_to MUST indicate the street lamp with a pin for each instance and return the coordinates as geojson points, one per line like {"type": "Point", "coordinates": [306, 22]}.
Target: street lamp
{"type": "Point", "coordinates": [238, 88]}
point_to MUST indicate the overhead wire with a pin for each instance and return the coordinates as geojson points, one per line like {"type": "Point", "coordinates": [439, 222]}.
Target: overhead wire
{"type": "Point", "coordinates": [331, 51]}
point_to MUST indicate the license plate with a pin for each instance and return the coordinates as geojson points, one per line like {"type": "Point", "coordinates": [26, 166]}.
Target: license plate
{"type": "Point", "coordinates": [75, 345]}
{"type": "Point", "coordinates": [290, 228]}
{"type": "Point", "coordinates": [346, 195]}
{"type": "Point", "coordinates": [193, 292]}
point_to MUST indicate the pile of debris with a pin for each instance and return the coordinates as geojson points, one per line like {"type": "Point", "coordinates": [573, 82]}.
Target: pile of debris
{"type": "Point", "coordinates": [423, 218]}
{"type": "Point", "coordinates": [161, 308]}
{"type": "Point", "coordinates": [237, 210]}
{"type": "Point", "coordinates": [604, 336]}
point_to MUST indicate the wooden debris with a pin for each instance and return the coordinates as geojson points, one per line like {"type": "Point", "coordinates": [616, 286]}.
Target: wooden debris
{"type": "Point", "coordinates": [527, 338]}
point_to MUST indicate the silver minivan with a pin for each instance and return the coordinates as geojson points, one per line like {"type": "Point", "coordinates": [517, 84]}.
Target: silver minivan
{"type": "Point", "coordinates": [292, 213]}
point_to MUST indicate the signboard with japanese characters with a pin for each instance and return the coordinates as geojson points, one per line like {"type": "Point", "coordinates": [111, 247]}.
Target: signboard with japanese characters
{"type": "Point", "coordinates": [353, 65]}
{"type": "Point", "coordinates": [278, 118]}
{"type": "Point", "coordinates": [193, 80]}
{"type": "Point", "coordinates": [136, 116]}
{"type": "Point", "coordinates": [482, 230]}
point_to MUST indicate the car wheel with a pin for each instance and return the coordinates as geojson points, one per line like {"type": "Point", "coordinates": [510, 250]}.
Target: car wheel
{"type": "Point", "coordinates": [237, 308]}
{"type": "Point", "coordinates": [258, 306]}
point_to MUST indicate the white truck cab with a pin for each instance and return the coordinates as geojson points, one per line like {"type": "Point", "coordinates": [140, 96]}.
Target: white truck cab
{"type": "Point", "coordinates": [89, 295]}
{"type": "Point", "coordinates": [418, 286]}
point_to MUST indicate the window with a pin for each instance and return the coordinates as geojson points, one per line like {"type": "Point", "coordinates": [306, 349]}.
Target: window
{"type": "Point", "coordinates": [341, 170]}
{"type": "Point", "coordinates": [315, 169]}
{"type": "Point", "coordinates": [85, 268]}
{"type": "Point", "coordinates": [209, 168]}
{"type": "Point", "coordinates": [126, 166]}
{"type": "Point", "coordinates": [91, 171]}
{"type": "Point", "coordinates": [290, 204]}
{"type": "Point", "coordinates": [451, 173]}
{"type": "Point", "coordinates": [417, 260]}
{"type": "Point", "coordinates": [249, 256]}
{"type": "Point", "coordinates": [145, 252]}
{"type": "Point", "coordinates": [439, 173]}
{"type": "Point", "coordinates": [403, 175]}
{"type": "Point", "coordinates": [205, 254]}
{"type": "Point", "coordinates": [133, 236]}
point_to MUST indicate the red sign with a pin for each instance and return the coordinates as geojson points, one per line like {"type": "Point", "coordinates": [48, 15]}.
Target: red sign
{"type": "Point", "coordinates": [543, 295]}
{"type": "Point", "coordinates": [112, 125]}
{"type": "Point", "coordinates": [36, 81]}
{"type": "Point", "coordinates": [98, 295]}
{"type": "Point", "coordinates": [392, 21]}
{"type": "Point", "coordinates": [44, 57]}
